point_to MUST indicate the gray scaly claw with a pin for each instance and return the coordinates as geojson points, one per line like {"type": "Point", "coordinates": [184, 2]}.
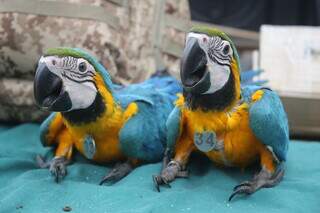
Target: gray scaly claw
{"type": "Point", "coordinates": [169, 173]}
{"type": "Point", "coordinates": [57, 166]}
{"type": "Point", "coordinates": [118, 172]}
{"type": "Point", "coordinates": [264, 179]}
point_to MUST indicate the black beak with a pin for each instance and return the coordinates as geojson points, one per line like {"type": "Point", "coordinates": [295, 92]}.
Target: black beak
{"type": "Point", "coordinates": [194, 75]}
{"type": "Point", "coordinates": [48, 90]}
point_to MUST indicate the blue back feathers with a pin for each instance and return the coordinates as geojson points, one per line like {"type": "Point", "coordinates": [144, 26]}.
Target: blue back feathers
{"type": "Point", "coordinates": [249, 77]}
{"type": "Point", "coordinates": [144, 135]}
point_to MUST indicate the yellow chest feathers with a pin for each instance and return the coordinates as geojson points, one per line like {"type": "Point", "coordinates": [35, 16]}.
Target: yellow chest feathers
{"type": "Point", "coordinates": [235, 142]}
{"type": "Point", "coordinates": [104, 131]}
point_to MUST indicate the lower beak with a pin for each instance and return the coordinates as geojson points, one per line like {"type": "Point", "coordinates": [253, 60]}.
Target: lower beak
{"type": "Point", "coordinates": [195, 77]}
{"type": "Point", "coordinates": [48, 90]}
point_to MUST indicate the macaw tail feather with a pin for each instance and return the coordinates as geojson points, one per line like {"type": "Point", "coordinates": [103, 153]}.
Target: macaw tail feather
{"type": "Point", "coordinates": [252, 77]}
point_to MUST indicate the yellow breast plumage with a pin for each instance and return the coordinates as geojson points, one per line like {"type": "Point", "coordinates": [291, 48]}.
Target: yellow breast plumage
{"type": "Point", "coordinates": [105, 130]}
{"type": "Point", "coordinates": [240, 146]}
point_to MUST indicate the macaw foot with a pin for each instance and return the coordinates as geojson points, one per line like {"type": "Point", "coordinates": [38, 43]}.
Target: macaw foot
{"type": "Point", "coordinates": [168, 174]}
{"type": "Point", "coordinates": [119, 171]}
{"type": "Point", "coordinates": [57, 166]}
{"type": "Point", "coordinates": [264, 179]}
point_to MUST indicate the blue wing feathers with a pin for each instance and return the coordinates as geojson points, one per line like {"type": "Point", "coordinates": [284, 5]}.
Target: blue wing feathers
{"type": "Point", "coordinates": [269, 123]}
{"type": "Point", "coordinates": [165, 86]}
{"type": "Point", "coordinates": [44, 127]}
{"type": "Point", "coordinates": [144, 135]}
{"type": "Point", "coordinates": [173, 127]}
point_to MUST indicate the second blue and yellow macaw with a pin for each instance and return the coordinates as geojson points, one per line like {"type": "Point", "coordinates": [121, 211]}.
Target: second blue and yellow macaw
{"type": "Point", "coordinates": [232, 125]}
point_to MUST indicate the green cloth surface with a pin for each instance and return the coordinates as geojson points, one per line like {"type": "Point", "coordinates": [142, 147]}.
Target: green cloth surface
{"type": "Point", "coordinates": [26, 188]}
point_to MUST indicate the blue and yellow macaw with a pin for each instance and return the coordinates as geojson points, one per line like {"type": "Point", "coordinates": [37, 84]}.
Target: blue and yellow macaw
{"type": "Point", "coordinates": [232, 125]}
{"type": "Point", "coordinates": [104, 122]}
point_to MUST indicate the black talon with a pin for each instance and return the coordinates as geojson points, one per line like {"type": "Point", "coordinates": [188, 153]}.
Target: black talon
{"type": "Point", "coordinates": [119, 171]}
{"type": "Point", "coordinates": [156, 180]}
{"type": "Point", "coordinates": [243, 189]}
{"type": "Point", "coordinates": [166, 183]}
{"type": "Point", "coordinates": [232, 195]}
{"type": "Point", "coordinates": [246, 183]}
{"type": "Point", "coordinates": [56, 176]}
{"type": "Point", "coordinates": [105, 179]}
{"type": "Point", "coordinates": [238, 191]}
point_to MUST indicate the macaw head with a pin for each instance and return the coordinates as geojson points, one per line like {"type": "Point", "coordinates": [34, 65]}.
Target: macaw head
{"type": "Point", "coordinates": [69, 79]}
{"type": "Point", "coordinates": [210, 71]}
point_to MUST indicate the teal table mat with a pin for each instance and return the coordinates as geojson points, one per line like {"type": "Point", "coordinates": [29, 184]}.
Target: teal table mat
{"type": "Point", "coordinates": [26, 188]}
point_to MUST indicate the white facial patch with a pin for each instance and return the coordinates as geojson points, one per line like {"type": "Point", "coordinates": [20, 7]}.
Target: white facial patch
{"type": "Point", "coordinates": [81, 95]}
{"type": "Point", "coordinates": [219, 76]}
{"type": "Point", "coordinates": [77, 77]}
{"type": "Point", "coordinates": [219, 54]}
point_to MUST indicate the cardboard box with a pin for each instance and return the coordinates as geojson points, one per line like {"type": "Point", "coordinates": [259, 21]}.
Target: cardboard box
{"type": "Point", "coordinates": [290, 57]}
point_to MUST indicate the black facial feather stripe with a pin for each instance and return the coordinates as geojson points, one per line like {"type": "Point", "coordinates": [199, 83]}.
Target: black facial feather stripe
{"type": "Point", "coordinates": [75, 75]}
{"type": "Point", "coordinates": [215, 51]}
{"type": "Point", "coordinates": [72, 75]}
{"type": "Point", "coordinates": [220, 57]}
{"type": "Point", "coordinates": [223, 64]}
{"type": "Point", "coordinates": [88, 73]}
{"type": "Point", "coordinates": [79, 81]}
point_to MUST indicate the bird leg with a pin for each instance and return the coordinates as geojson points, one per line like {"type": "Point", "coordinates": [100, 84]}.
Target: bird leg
{"type": "Point", "coordinates": [270, 175]}
{"type": "Point", "coordinates": [176, 167]}
{"type": "Point", "coordinates": [57, 166]}
{"type": "Point", "coordinates": [170, 170]}
{"type": "Point", "coordinates": [264, 179]}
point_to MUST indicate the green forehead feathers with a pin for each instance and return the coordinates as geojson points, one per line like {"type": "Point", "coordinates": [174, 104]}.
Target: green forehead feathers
{"type": "Point", "coordinates": [72, 52]}
{"type": "Point", "coordinates": [209, 31]}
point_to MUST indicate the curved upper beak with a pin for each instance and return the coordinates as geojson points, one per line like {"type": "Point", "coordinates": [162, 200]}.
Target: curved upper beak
{"type": "Point", "coordinates": [194, 75]}
{"type": "Point", "coordinates": [48, 90]}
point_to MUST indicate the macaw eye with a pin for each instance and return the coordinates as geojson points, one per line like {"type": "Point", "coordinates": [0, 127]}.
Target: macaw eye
{"type": "Point", "coordinates": [226, 49]}
{"type": "Point", "coordinates": [82, 67]}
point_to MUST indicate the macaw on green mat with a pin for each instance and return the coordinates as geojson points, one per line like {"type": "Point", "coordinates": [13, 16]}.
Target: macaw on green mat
{"type": "Point", "coordinates": [104, 122]}
{"type": "Point", "coordinates": [232, 124]}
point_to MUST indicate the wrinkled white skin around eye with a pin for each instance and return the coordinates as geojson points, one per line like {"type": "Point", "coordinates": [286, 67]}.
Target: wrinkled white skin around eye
{"type": "Point", "coordinates": [82, 95]}
{"type": "Point", "coordinates": [219, 74]}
